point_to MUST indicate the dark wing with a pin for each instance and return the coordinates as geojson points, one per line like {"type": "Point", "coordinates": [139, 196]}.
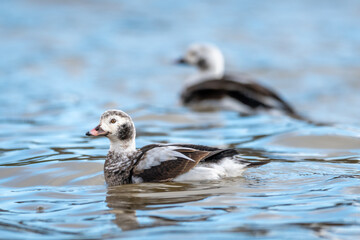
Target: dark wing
{"type": "Point", "coordinates": [217, 154]}
{"type": "Point", "coordinates": [164, 162]}
{"type": "Point", "coordinates": [158, 163]}
{"type": "Point", "coordinates": [245, 91]}
{"type": "Point", "coordinates": [195, 147]}
{"type": "Point", "coordinates": [260, 92]}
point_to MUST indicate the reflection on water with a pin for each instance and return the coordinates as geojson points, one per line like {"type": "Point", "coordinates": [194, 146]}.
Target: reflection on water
{"type": "Point", "coordinates": [64, 62]}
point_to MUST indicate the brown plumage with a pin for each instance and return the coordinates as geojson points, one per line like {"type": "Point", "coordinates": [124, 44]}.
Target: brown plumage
{"type": "Point", "coordinates": [249, 93]}
{"type": "Point", "coordinates": [211, 89]}
{"type": "Point", "coordinates": [160, 162]}
{"type": "Point", "coordinates": [171, 168]}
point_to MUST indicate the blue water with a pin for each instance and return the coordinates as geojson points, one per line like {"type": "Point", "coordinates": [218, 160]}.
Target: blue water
{"type": "Point", "coordinates": [65, 62]}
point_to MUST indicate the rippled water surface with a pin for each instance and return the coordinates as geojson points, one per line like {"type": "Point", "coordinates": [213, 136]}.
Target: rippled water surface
{"type": "Point", "coordinates": [64, 62]}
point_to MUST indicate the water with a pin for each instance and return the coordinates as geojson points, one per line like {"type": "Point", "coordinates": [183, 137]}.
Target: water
{"type": "Point", "coordinates": [64, 62]}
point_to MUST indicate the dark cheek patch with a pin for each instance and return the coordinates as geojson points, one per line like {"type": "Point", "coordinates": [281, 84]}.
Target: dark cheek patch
{"type": "Point", "coordinates": [202, 64]}
{"type": "Point", "coordinates": [125, 132]}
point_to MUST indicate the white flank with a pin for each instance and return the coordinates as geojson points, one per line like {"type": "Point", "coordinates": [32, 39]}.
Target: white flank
{"type": "Point", "coordinates": [137, 179]}
{"type": "Point", "coordinates": [226, 103]}
{"type": "Point", "coordinates": [226, 168]}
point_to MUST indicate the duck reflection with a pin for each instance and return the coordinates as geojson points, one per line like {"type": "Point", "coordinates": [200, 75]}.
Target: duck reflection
{"type": "Point", "coordinates": [125, 200]}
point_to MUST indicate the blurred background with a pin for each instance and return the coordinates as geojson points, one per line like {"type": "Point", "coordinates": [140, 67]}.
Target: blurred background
{"type": "Point", "coordinates": [87, 54]}
{"type": "Point", "coordinates": [64, 62]}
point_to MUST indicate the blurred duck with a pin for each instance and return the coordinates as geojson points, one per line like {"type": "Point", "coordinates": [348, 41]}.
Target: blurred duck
{"type": "Point", "coordinates": [211, 89]}
{"type": "Point", "coordinates": [160, 162]}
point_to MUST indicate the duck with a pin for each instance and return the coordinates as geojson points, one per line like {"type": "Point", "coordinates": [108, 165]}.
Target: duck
{"type": "Point", "coordinates": [125, 164]}
{"type": "Point", "coordinates": [211, 89]}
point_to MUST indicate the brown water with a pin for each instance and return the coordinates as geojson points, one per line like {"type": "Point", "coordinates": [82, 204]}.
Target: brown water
{"type": "Point", "coordinates": [64, 62]}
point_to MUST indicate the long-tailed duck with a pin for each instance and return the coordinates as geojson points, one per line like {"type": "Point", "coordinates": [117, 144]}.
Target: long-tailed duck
{"type": "Point", "coordinates": [160, 162]}
{"type": "Point", "coordinates": [211, 89]}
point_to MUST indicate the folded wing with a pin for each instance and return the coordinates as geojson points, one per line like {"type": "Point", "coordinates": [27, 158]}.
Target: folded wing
{"type": "Point", "coordinates": [157, 163]}
{"type": "Point", "coordinates": [244, 90]}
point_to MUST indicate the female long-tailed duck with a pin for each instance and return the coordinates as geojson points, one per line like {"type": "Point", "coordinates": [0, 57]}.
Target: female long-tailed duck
{"type": "Point", "coordinates": [160, 162]}
{"type": "Point", "coordinates": [211, 89]}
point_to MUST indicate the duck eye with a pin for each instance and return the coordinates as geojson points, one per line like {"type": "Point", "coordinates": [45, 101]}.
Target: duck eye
{"type": "Point", "coordinates": [113, 120]}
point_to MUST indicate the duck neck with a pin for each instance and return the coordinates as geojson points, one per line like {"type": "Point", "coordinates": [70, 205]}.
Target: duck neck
{"type": "Point", "coordinates": [119, 162]}
{"type": "Point", "coordinates": [214, 71]}
{"type": "Point", "coordinates": [122, 147]}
